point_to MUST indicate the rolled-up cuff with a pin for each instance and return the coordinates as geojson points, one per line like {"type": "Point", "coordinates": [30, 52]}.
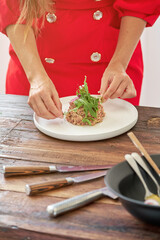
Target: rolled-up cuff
{"type": "Point", "coordinates": [150, 19]}
{"type": "Point", "coordinates": [9, 15]}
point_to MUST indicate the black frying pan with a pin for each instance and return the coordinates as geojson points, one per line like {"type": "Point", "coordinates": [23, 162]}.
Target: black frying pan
{"type": "Point", "coordinates": [125, 183]}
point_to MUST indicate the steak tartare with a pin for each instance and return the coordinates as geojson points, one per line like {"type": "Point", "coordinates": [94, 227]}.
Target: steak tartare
{"type": "Point", "coordinates": [85, 109]}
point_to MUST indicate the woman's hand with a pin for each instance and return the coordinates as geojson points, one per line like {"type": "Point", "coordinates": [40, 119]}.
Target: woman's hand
{"type": "Point", "coordinates": [116, 83]}
{"type": "Point", "coordinates": [44, 99]}
{"type": "Point", "coordinates": [43, 96]}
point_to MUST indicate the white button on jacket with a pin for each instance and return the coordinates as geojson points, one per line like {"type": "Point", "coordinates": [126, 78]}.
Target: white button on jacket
{"type": "Point", "coordinates": [49, 60]}
{"type": "Point", "coordinates": [95, 57]}
{"type": "Point", "coordinates": [97, 15]}
{"type": "Point", "coordinates": [51, 17]}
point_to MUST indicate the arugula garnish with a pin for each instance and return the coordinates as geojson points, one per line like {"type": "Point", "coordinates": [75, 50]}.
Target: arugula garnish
{"type": "Point", "coordinates": [85, 100]}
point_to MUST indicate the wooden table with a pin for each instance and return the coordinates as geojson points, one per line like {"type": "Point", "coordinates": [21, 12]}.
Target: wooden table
{"type": "Point", "coordinates": [24, 217]}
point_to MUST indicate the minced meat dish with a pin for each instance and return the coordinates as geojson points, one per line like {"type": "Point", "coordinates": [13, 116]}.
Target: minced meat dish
{"type": "Point", "coordinates": [85, 109]}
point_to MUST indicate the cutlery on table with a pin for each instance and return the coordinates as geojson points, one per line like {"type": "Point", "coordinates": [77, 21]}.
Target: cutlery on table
{"type": "Point", "coordinates": [143, 151]}
{"type": "Point", "coordinates": [141, 162]}
{"type": "Point", "coordinates": [10, 171]}
{"type": "Point", "coordinates": [150, 198]}
{"type": "Point", "coordinates": [78, 201]}
{"type": "Point", "coordinates": [32, 189]}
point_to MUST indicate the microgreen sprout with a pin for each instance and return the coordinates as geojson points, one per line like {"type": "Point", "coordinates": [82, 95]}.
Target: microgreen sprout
{"type": "Point", "coordinates": [88, 102]}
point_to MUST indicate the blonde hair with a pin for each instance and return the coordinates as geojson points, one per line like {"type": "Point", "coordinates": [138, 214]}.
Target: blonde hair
{"type": "Point", "coordinates": [32, 10]}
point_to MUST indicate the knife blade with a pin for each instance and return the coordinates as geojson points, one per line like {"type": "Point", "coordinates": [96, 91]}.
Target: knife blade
{"type": "Point", "coordinates": [56, 209]}
{"type": "Point", "coordinates": [10, 171]}
{"type": "Point", "coordinates": [32, 189]}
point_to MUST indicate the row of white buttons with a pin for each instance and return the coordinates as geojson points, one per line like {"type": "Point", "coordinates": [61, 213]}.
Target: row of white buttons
{"type": "Point", "coordinates": [51, 17]}
{"type": "Point", "coordinates": [95, 57]}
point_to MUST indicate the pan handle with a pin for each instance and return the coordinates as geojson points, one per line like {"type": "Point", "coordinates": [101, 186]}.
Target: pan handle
{"type": "Point", "coordinates": [74, 203]}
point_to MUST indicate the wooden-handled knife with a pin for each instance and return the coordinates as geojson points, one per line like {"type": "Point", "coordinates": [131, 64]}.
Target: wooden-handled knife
{"type": "Point", "coordinates": [10, 171]}
{"type": "Point", "coordinates": [32, 189]}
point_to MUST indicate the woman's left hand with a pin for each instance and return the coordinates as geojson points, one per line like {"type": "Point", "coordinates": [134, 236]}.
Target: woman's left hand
{"type": "Point", "coordinates": [116, 83]}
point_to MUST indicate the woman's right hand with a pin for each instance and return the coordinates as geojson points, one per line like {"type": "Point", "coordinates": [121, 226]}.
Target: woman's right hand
{"type": "Point", "coordinates": [43, 96]}
{"type": "Point", "coordinates": [44, 99]}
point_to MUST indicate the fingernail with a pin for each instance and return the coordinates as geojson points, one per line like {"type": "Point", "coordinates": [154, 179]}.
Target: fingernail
{"type": "Point", "coordinates": [100, 92]}
{"type": "Point", "coordinates": [61, 116]}
{"type": "Point", "coordinates": [105, 99]}
{"type": "Point", "coordinates": [102, 99]}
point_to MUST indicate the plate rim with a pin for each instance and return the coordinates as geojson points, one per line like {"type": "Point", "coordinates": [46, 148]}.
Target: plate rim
{"type": "Point", "coordinates": [88, 137]}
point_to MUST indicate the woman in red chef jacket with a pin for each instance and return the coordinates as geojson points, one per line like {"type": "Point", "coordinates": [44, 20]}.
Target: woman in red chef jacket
{"type": "Point", "coordinates": [56, 43]}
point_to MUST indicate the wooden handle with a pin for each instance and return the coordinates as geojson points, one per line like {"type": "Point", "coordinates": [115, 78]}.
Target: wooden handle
{"type": "Point", "coordinates": [10, 171]}
{"type": "Point", "coordinates": [143, 151]}
{"type": "Point", "coordinates": [32, 189]}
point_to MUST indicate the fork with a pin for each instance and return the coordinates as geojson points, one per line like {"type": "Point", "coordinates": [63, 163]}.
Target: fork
{"type": "Point", "coordinates": [141, 162]}
{"type": "Point", "coordinates": [148, 194]}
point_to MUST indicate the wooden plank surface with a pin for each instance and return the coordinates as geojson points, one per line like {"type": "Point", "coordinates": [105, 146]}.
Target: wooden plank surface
{"type": "Point", "coordinates": [24, 217]}
{"type": "Point", "coordinates": [96, 221]}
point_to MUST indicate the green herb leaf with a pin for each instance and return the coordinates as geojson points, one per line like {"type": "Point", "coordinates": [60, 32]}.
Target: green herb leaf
{"type": "Point", "coordinates": [86, 120]}
{"type": "Point", "coordinates": [85, 100]}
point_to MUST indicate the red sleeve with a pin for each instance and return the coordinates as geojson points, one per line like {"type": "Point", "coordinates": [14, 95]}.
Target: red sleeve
{"type": "Point", "coordinates": [9, 13]}
{"type": "Point", "coordinates": [149, 10]}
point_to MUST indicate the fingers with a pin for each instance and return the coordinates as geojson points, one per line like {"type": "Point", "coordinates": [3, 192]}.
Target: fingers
{"type": "Point", "coordinates": [128, 93]}
{"type": "Point", "coordinates": [40, 109]}
{"type": "Point", "coordinates": [50, 105]}
{"type": "Point", "coordinates": [57, 101]}
{"type": "Point", "coordinates": [114, 89]}
{"type": "Point", "coordinates": [104, 85]}
{"type": "Point", "coordinates": [45, 102]}
{"type": "Point", "coordinates": [121, 86]}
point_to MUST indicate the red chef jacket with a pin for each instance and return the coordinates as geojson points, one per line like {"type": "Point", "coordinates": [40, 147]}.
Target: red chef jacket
{"type": "Point", "coordinates": [78, 39]}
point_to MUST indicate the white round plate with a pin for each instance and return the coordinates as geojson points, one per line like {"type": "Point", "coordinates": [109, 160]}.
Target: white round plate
{"type": "Point", "coordinates": [120, 117]}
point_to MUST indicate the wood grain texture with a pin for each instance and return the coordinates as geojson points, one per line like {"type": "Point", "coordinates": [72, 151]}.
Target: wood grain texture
{"type": "Point", "coordinates": [24, 217]}
{"type": "Point", "coordinates": [95, 221]}
{"type": "Point", "coordinates": [10, 171]}
{"type": "Point", "coordinates": [35, 188]}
